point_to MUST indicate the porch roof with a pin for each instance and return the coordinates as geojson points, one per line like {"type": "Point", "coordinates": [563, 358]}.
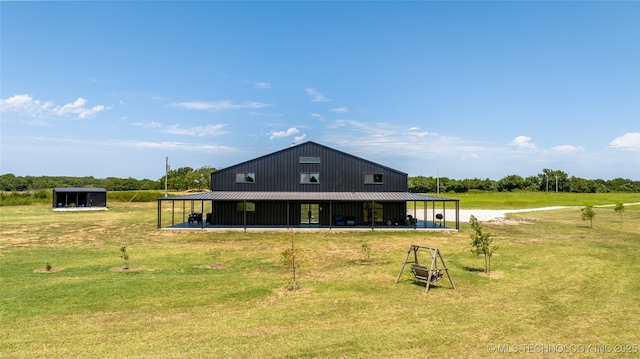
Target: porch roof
{"type": "Point", "coordinates": [309, 196]}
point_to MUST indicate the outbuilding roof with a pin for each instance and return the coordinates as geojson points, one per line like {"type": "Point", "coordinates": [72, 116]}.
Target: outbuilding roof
{"type": "Point", "coordinates": [75, 190]}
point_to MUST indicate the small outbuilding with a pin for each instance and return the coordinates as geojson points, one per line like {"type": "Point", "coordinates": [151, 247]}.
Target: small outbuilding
{"type": "Point", "coordinates": [79, 198]}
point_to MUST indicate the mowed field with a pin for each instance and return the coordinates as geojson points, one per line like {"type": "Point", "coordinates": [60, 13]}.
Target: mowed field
{"type": "Point", "coordinates": [558, 288]}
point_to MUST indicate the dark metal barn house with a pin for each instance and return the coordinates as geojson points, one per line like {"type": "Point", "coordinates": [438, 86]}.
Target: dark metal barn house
{"type": "Point", "coordinates": [306, 185]}
{"type": "Point", "coordinates": [79, 198]}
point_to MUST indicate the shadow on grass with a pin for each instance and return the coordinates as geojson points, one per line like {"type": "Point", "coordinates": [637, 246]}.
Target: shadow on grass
{"type": "Point", "coordinates": [432, 286]}
{"type": "Point", "coordinates": [473, 269]}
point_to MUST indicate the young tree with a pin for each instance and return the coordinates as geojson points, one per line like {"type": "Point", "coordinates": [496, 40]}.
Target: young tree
{"type": "Point", "coordinates": [620, 209]}
{"type": "Point", "coordinates": [482, 243]}
{"type": "Point", "coordinates": [588, 214]}
{"type": "Point", "coordinates": [291, 260]}
{"type": "Point", "coordinates": [125, 256]}
{"type": "Point", "coordinates": [366, 251]}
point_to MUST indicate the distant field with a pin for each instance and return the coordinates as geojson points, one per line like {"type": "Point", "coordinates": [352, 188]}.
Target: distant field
{"type": "Point", "coordinates": [520, 200]}
{"type": "Point", "coordinates": [191, 294]}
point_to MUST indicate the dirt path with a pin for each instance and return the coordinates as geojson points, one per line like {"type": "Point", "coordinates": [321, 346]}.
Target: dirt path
{"type": "Point", "coordinates": [484, 215]}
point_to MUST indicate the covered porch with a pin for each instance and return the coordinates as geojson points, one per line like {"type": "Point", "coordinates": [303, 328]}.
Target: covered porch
{"type": "Point", "coordinates": [308, 211]}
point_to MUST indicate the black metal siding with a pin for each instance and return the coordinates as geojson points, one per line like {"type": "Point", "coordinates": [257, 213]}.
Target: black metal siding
{"type": "Point", "coordinates": [80, 197]}
{"type": "Point", "coordinates": [280, 171]}
{"type": "Point", "coordinates": [275, 213]}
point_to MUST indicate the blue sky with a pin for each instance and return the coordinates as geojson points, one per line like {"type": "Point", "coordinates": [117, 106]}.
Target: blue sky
{"type": "Point", "coordinates": [459, 89]}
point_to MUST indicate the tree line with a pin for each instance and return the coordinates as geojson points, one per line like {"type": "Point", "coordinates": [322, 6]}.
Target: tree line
{"type": "Point", "coordinates": [187, 178]}
{"type": "Point", "coordinates": [184, 178]}
{"type": "Point", "coordinates": [546, 181]}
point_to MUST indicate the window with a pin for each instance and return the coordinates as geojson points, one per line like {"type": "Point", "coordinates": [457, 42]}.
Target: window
{"type": "Point", "coordinates": [251, 207]}
{"type": "Point", "coordinates": [373, 178]}
{"type": "Point", "coordinates": [309, 178]}
{"type": "Point", "coordinates": [309, 159]}
{"type": "Point", "coordinates": [245, 177]}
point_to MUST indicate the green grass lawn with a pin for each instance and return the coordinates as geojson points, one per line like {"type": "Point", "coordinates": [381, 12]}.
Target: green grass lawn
{"type": "Point", "coordinates": [191, 294]}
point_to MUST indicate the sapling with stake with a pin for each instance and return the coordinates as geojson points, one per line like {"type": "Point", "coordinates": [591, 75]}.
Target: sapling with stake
{"type": "Point", "coordinates": [366, 251]}
{"type": "Point", "coordinates": [289, 260]}
{"type": "Point", "coordinates": [125, 256]}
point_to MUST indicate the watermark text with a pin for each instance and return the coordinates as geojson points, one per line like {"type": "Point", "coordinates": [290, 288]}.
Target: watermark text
{"type": "Point", "coordinates": [550, 348]}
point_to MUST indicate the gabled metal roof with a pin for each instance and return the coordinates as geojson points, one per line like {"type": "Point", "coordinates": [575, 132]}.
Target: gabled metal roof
{"type": "Point", "coordinates": [302, 145]}
{"type": "Point", "coordinates": [309, 196]}
{"type": "Point", "coordinates": [82, 190]}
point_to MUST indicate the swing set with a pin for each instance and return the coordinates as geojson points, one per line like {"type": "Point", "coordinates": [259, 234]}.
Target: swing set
{"type": "Point", "coordinates": [429, 274]}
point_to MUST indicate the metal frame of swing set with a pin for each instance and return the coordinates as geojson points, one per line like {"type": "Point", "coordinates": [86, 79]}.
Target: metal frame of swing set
{"type": "Point", "coordinates": [431, 274]}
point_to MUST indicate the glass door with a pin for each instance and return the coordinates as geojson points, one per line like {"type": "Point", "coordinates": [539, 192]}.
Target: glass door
{"type": "Point", "coordinates": [309, 213]}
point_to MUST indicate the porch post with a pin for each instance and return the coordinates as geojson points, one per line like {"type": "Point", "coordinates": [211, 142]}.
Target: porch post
{"type": "Point", "coordinates": [202, 213]}
{"type": "Point", "coordinates": [330, 215]}
{"type": "Point", "coordinates": [425, 213]}
{"type": "Point", "coordinates": [373, 215]}
{"type": "Point", "coordinates": [433, 212]}
{"type": "Point", "coordinates": [457, 215]}
{"type": "Point", "coordinates": [244, 213]}
{"type": "Point", "coordinates": [173, 212]}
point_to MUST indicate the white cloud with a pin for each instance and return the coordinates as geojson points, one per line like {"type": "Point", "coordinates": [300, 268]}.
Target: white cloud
{"type": "Point", "coordinates": [56, 143]}
{"type": "Point", "coordinates": [568, 148]}
{"type": "Point", "coordinates": [317, 116]}
{"type": "Point", "coordinates": [279, 134]}
{"type": "Point", "coordinates": [168, 145]}
{"type": "Point", "coordinates": [419, 134]}
{"type": "Point", "coordinates": [262, 85]}
{"type": "Point", "coordinates": [219, 105]}
{"type": "Point", "coordinates": [151, 124]}
{"type": "Point", "coordinates": [200, 131]}
{"type": "Point", "coordinates": [340, 109]}
{"type": "Point", "coordinates": [77, 108]}
{"type": "Point", "coordinates": [523, 142]}
{"type": "Point", "coordinates": [315, 95]}
{"type": "Point", "coordinates": [25, 105]}
{"type": "Point", "coordinates": [385, 139]}
{"type": "Point", "coordinates": [415, 131]}
{"type": "Point", "coordinates": [628, 141]}
{"type": "Point", "coordinates": [299, 139]}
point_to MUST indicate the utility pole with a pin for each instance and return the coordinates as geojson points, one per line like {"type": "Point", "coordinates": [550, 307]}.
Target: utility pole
{"type": "Point", "coordinates": [437, 181]}
{"type": "Point", "coordinates": [166, 177]}
{"type": "Point", "coordinates": [556, 184]}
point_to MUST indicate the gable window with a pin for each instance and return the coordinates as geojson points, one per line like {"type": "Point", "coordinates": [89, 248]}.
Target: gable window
{"type": "Point", "coordinates": [309, 159]}
{"type": "Point", "coordinates": [309, 178]}
{"type": "Point", "coordinates": [373, 178]}
{"type": "Point", "coordinates": [245, 177]}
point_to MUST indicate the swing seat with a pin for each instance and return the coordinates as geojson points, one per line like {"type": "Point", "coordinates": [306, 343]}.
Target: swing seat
{"type": "Point", "coordinates": [433, 273]}
{"type": "Point", "coordinates": [422, 273]}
